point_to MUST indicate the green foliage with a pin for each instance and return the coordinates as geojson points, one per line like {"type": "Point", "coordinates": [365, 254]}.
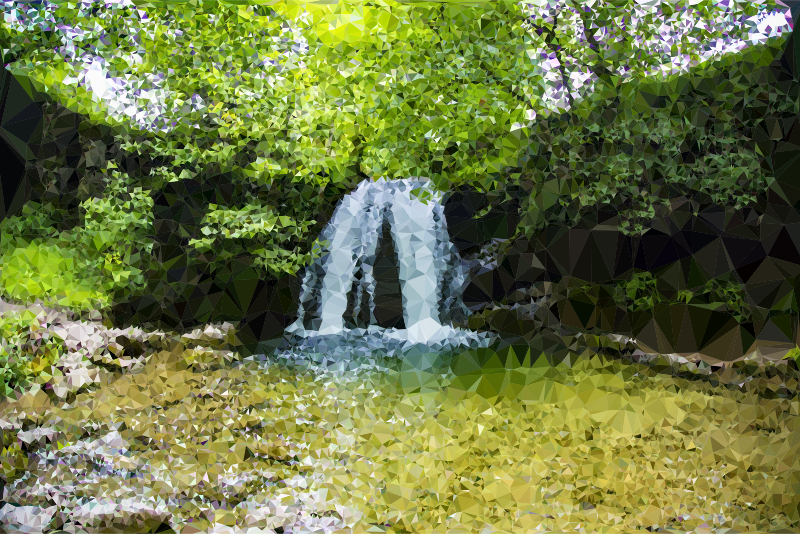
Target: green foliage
{"type": "Point", "coordinates": [39, 262]}
{"type": "Point", "coordinates": [643, 291]}
{"type": "Point", "coordinates": [385, 89]}
{"type": "Point", "coordinates": [264, 229]}
{"type": "Point", "coordinates": [702, 133]}
{"type": "Point", "coordinates": [54, 271]}
{"type": "Point", "coordinates": [395, 90]}
{"type": "Point", "coordinates": [27, 350]}
{"type": "Point", "coordinates": [117, 225]}
{"type": "Point", "coordinates": [793, 354]}
{"type": "Point", "coordinates": [294, 105]}
{"type": "Point", "coordinates": [80, 268]}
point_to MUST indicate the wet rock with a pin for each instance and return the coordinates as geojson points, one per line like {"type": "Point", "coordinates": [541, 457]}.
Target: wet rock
{"type": "Point", "coordinates": [96, 354]}
{"type": "Point", "coordinates": [26, 519]}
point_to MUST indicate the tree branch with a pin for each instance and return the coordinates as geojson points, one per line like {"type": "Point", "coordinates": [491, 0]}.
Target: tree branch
{"type": "Point", "coordinates": [555, 47]}
{"type": "Point", "coordinates": [598, 68]}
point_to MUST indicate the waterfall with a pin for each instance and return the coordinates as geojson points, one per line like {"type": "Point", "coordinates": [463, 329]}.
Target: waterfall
{"type": "Point", "coordinates": [432, 275]}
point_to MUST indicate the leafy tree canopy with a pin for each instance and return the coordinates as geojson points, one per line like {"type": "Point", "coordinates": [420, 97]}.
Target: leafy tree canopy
{"type": "Point", "coordinates": [311, 100]}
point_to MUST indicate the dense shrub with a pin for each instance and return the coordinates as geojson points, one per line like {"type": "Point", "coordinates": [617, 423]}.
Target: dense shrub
{"type": "Point", "coordinates": [27, 350]}
{"type": "Point", "coordinates": [78, 268]}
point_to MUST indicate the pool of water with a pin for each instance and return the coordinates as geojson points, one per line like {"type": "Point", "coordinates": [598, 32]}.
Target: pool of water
{"type": "Point", "coordinates": [461, 440]}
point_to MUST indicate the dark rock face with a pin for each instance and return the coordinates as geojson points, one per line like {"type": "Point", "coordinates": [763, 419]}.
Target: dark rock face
{"type": "Point", "coordinates": [388, 297]}
{"type": "Point", "coordinates": [716, 240]}
{"type": "Point", "coordinates": [272, 309]}
{"type": "Point", "coordinates": [262, 308]}
{"type": "Point", "coordinates": [497, 219]}
{"type": "Point", "coordinates": [721, 282]}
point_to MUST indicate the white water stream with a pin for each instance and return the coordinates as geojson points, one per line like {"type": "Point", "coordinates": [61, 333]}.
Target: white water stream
{"type": "Point", "coordinates": [431, 275]}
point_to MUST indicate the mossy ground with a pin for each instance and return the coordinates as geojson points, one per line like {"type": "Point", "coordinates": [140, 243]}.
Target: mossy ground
{"type": "Point", "coordinates": [601, 446]}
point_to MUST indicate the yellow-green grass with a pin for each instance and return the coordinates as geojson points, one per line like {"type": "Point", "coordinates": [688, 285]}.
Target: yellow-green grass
{"type": "Point", "coordinates": [793, 354]}
{"type": "Point", "coordinates": [603, 446]}
{"type": "Point", "coordinates": [54, 274]}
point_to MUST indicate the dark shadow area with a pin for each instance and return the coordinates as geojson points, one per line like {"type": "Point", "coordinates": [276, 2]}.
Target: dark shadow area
{"type": "Point", "coordinates": [357, 314]}
{"type": "Point", "coordinates": [388, 297]}
{"type": "Point", "coordinates": [57, 154]}
{"type": "Point", "coordinates": [388, 311]}
{"type": "Point", "coordinates": [475, 218]}
{"type": "Point", "coordinates": [223, 284]}
{"type": "Point", "coordinates": [10, 180]}
{"type": "Point", "coordinates": [12, 184]}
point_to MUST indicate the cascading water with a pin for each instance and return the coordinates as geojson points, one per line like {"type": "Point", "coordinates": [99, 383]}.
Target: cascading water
{"type": "Point", "coordinates": [431, 274]}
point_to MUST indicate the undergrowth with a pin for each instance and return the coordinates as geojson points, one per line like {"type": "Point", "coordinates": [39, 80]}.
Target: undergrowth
{"type": "Point", "coordinates": [28, 350]}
